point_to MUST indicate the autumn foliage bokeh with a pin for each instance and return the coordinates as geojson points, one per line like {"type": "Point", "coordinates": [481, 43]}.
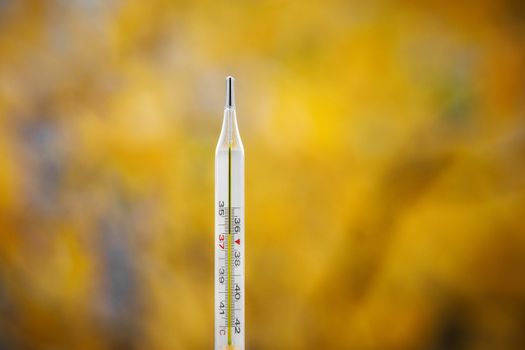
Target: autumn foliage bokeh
{"type": "Point", "coordinates": [385, 172]}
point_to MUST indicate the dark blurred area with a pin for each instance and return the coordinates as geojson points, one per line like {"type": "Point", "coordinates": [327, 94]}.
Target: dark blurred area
{"type": "Point", "coordinates": [385, 155]}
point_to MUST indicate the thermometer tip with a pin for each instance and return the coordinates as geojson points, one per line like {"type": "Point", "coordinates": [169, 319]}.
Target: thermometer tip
{"type": "Point", "coordinates": [230, 93]}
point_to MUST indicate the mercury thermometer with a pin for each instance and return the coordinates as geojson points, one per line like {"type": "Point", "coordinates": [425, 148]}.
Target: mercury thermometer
{"type": "Point", "coordinates": [229, 231]}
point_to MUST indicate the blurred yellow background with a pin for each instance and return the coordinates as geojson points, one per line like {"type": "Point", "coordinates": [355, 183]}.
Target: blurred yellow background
{"type": "Point", "coordinates": [385, 172]}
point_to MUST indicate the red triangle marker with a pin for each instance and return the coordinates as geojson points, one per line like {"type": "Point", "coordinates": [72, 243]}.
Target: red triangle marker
{"type": "Point", "coordinates": [238, 241]}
